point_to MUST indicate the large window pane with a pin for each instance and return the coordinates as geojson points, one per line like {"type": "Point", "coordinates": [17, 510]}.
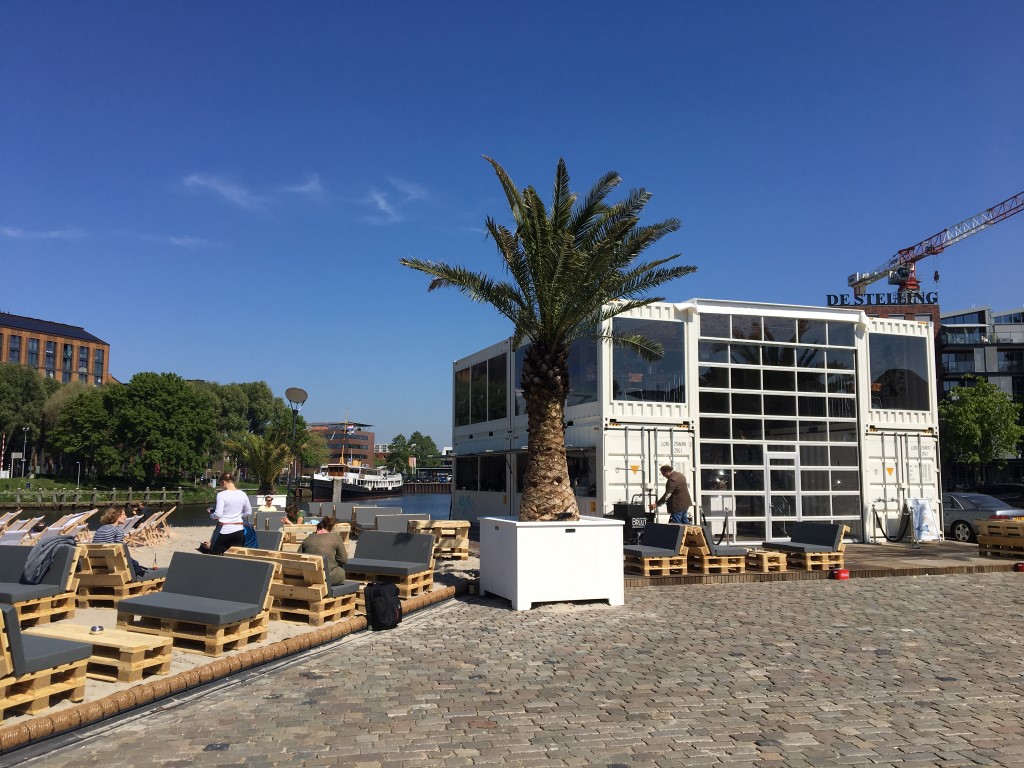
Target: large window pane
{"type": "Point", "coordinates": [714, 429]}
{"type": "Point", "coordinates": [899, 372]}
{"type": "Point", "coordinates": [659, 381]}
{"type": "Point", "coordinates": [783, 357]}
{"type": "Point", "coordinates": [784, 381]}
{"type": "Point", "coordinates": [714, 453]}
{"type": "Point", "coordinates": [714, 326]}
{"type": "Point", "coordinates": [712, 352]}
{"type": "Point", "coordinates": [840, 358]}
{"type": "Point", "coordinates": [779, 405]}
{"type": "Point", "coordinates": [746, 453]}
{"type": "Point", "coordinates": [781, 329]}
{"type": "Point", "coordinates": [746, 378]}
{"type": "Point", "coordinates": [810, 382]}
{"type": "Point", "coordinates": [462, 397]}
{"type": "Point", "coordinates": [478, 393]}
{"type": "Point", "coordinates": [840, 335]}
{"type": "Point", "coordinates": [810, 357]}
{"type": "Point", "coordinates": [714, 377]}
{"type": "Point", "coordinates": [746, 327]}
{"type": "Point", "coordinates": [745, 354]}
{"type": "Point", "coordinates": [747, 404]}
{"type": "Point", "coordinates": [497, 391]}
{"type": "Point", "coordinates": [714, 402]}
{"type": "Point", "coordinates": [747, 429]}
{"type": "Point", "coordinates": [492, 473]}
{"type": "Point", "coordinates": [582, 372]}
{"type": "Point", "coordinates": [466, 473]}
{"type": "Point", "coordinates": [812, 332]}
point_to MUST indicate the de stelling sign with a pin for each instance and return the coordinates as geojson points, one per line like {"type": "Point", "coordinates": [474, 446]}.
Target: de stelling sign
{"type": "Point", "coordinates": [882, 299]}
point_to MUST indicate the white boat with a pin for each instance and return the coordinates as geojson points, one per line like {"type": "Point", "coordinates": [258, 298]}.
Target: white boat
{"type": "Point", "coordinates": [356, 480]}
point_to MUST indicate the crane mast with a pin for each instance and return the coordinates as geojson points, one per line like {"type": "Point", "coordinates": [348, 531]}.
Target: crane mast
{"type": "Point", "coordinates": [901, 269]}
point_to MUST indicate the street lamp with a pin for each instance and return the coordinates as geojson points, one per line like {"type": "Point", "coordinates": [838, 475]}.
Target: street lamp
{"type": "Point", "coordinates": [296, 397]}
{"type": "Point", "coordinates": [24, 448]}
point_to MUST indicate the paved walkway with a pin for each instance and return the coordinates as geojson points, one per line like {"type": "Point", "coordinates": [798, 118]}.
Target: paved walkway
{"type": "Point", "coordinates": [901, 671]}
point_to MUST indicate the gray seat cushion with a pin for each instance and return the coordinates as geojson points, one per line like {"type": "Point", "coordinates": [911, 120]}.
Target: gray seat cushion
{"type": "Point", "coordinates": [397, 523]}
{"type": "Point", "coordinates": [34, 654]}
{"type": "Point", "coordinates": [269, 540]}
{"type": "Point", "coordinates": [662, 536]}
{"type": "Point", "coordinates": [12, 562]}
{"type": "Point", "coordinates": [346, 588]}
{"type": "Point", "coordinates": [789, 546]}
{"type": "Point", "coordinates": [720, 550]}
{"type": "Point", "coordinates": [201, 610]}
{"type": "Point", "coordinates": [19, 593]}
{"type": "Point", "coordinates": [384, 567]}
{"type": "Point", "coordinates": [232, 579]}
{"type": "Point", "coordinates": [401, 547]}
{"type": "Point", "coordinates": [640, 551]}
{"type": "Point", "coordinates": [152, 573]}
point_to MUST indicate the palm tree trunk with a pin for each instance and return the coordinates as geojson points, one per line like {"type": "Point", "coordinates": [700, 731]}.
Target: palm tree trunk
{"type": "Point", "coordinates": [547, 494]}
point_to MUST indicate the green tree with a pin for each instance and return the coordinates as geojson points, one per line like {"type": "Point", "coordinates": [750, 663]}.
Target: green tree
{"type": "Point", "coordinates": [312, 448]}
{"type": "Point", "coordinates": [979, 424]}
{"type": "Point", "coordinates": [262, 458]}
{"type": "Point", "coordinates": [22, 394]}
{"type": "Point", "coordinates": [572, 268]}
{"type": "Point", "coordinates": [165, 423]}
{"type": "Point", "coordinates": [84, 431]}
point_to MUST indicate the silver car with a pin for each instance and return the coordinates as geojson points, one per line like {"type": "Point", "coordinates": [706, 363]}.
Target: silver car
{"type": "Point", "coordinates": [962, 511]}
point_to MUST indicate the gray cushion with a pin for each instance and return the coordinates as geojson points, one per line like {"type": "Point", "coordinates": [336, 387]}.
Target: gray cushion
{"type": "Point", "coordinates": [269, 540]}
{"type": "Point", "coordinates": [366, 517]}
{"type": "Point", "coordinates": [827, 535]}
{"type": "Point", "coordinates": [662, 535]}
{"type": "Point", "coordinates": [639, 551]}
{"type": "Point", "coordinates": [60, 567]}
{"type": "Point", "coordinates": [19, 593]}
{"type": "Point", "coordinates": [346, 588]}
{"type": "Point", "coordinates": [388, 567]}
{"type": "Point", "coordinates": [404, 547]}
{"type": "Point", "coordinates": [233, 579]}
{"type": "Point", "coordinates": [268, 521]}
{"type": "Point", "coordinates": [720, 550]}
{"type": "Point", "coordinates": [12, 562]}
{"type": "Point", "coordinates": [152, 573]}
{"type": "Point", "coordinates": [33, 654]}
{"type": "Point", "coordinates": [201, 610]}
{"type": "Point", "coordinates": [788, 546]}
{"type": "Point", "coordinates": [397, 523]}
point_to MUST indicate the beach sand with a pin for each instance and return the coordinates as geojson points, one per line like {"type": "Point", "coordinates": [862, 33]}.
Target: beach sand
{"type": "Point", "coordinates": [185, 539]}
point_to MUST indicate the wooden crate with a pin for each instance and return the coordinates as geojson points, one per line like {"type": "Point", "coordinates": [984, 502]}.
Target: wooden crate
{"type": "Point", "coordinates": [294, 535]}
{"type": "Point", "coordinates": [1000, 546]}
{"type": "Point", "coordinates": [451, 537]}
{"type": "Point", "coordinates": [1006, 528]}
{"type": "Point", "coordinates": [194, 637]}
{"type": "Point", "coordinates": [37, 691]}
{"type": "Point", "coordinates": [656, 566]}
{"type": "Point", "coordinates": [708, 564]}
{"type": "Point", "coordinates": [43, 610]}
{"type": "Point", "coordinates": [118, 656]}
{"type": "Point", "coordinates": [408, 586]}
{"type": "Point", "coordinates": [765, 561]}
{"type": "Point", "coordinates": [105, 576]}
{"type": "Point", "coordinates": [315, 613]}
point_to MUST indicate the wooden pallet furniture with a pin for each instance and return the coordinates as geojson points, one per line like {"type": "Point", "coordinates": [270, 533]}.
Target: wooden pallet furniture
{"type": "Point", "coordinates": [300, 590]}
{"type": "Point", "coordinates": [105, 576]}
{"type": "Point", "coordinates": [399, 522]}
{"type": "Point", "coordinates": [1001, 538]}
{"type": "Point", "coordinates": [451, 537]}
{"type": "Point", "coordinates": [812, 546]}
{"type": "Point", "coordinates": [365, 518]}
{"type": "Point", "coordinates": [294, 535]}
{"type": "Point", "coordinates": [660, 552]}
{"type": "Point", "coordinates": [52, 599]}
{"type": "Point", "coordinates": [208, 604]}
{"type": "Point", "coordinates": [764, 561]}
{"type": "Point", "coordinates": [118, 656]}
{"type": "Point", "coordinates": [706, 557]}
{"type": "Point", "coordinates": [403, 559]}
{"type": "Point", "coordinates": [36, 672]}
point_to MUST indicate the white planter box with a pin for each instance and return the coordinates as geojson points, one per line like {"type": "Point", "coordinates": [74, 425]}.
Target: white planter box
{"type": "Point", "coordinates": [538, 562]}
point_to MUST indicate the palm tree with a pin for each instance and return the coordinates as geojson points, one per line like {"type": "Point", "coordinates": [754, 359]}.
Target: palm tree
{"type": "Point", "coordinates": [262, 457]}
{"type": "Point", "coordinates": [572, 268]}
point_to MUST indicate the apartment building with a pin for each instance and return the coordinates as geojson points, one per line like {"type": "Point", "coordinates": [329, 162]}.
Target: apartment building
{"type": "Point", "coordinates": [56, 350]}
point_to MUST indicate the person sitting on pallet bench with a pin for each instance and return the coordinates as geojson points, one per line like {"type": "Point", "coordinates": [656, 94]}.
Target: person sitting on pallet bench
{"type": "Point", "coordinates": [677, 494]}
{"type": "Point", "coordinates": [111, 531]}
{"type": "Point", "coordinates": [292, 515]}
{"type": "Point", "coordinates": [329, 545]}
{"type": "Point", "coordinates": [232, 509]}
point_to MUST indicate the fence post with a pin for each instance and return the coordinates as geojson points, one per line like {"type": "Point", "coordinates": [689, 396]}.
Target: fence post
{"type": "Point", "coordinates": [147, 495]}
{"type": "Point", "coordinates": [113, 496]}
{"type": "Point", "coordinates": [130, 492]}
{"type": "Point", "coordinates": [17, 498]}
{"type": "Point", "coordinates": [163, 496]}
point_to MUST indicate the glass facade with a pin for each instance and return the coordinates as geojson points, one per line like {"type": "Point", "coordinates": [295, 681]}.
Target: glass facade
{"type": "Point", "coordinates": [778, 421]}
{"type": "Point", "coordinates": [50, 360]}
{"type": "Point", "coordinates": [13, 349]}
{"type": "Point", "coordinates": [32, 358]}
{"type": "Point", "coordinates": [659, 381]}
{"type": "Point", "coordinates": [481, 391]}
{"type": "Point", "coordinates": [899, 372]}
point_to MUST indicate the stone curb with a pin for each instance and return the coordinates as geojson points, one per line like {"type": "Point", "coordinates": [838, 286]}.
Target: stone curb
{"type": "Point", "coordinates": [43, 727]}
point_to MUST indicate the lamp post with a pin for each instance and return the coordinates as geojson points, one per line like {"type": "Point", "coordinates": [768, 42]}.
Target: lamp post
{"type": "Point", "coordinates": [24, 448]}
{"type": "Point", "coordinates": [78, 480]}
{"type": "Point", "coordinates": [296, 397]}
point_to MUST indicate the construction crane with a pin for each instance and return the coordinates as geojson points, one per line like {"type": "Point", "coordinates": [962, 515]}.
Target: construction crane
{"type": "Point", "coordinates": [901, 269]}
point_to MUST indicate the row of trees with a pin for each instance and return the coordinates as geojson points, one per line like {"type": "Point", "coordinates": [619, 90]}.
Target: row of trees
{"type": "Point", "coordinates": [158, 425]}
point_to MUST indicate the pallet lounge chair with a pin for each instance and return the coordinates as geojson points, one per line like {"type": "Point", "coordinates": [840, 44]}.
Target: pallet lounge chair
{"type": "Point", "coordinates": [812, 546]}
{"type": "Point", "coordinates": [52, 599]}
{"type": "Point", "coordinates": [300, 590]}
{"type": "Point", "coordinates": [403, 559]}
{"type": "Point", "coordinates": [106, 576]}
{"type": "Point", "coordinates": [208, 604]}
{"type": "Point", "coordinates": [659, 553]}
{"type": "Point", "coordinates": [707, 557]}
{"type": "Point", "coordinates": [398, 523]}
{"type": "Point", "coordinates": [36, 672]}
{"type": "Point", "coordinates": [451, 537]}
{"type": "Point", "coordinates": [295, 535]}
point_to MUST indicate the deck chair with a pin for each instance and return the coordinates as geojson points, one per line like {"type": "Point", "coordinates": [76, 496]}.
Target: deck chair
{"type": "Point", "coordinates": [12, 537]}
{"type": "Point", "coordinates": [6, 518]}
{"type": "Point", "coordinates": [34, 670]}
{"type": "Point", "coordinates": [130, 524]}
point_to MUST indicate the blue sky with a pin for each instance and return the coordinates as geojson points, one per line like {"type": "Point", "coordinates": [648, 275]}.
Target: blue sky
{"type": "Point", "coordinates": [224, 190]}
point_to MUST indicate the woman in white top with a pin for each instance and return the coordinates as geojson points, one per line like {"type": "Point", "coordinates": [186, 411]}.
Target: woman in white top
{"type": "Point", "coordinates": [232, 508]}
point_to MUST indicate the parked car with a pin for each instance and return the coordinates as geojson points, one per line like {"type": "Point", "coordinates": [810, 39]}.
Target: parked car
{"type": "Point", "coordinates": [1008, 493]}
{"type": "Point", "coordinates": [962, 511]}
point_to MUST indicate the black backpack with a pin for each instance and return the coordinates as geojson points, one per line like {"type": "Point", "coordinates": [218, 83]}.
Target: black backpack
{"type": "Point", "coordinates": [383, 608]}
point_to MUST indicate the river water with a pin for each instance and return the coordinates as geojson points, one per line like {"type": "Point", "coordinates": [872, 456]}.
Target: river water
{"type": "Point", "coordinates": [437, 505]}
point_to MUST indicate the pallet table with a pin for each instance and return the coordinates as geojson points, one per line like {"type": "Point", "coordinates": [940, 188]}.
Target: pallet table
{"type": "Point", "coordinates": [764, 561]}
{"type": "Point", "coordinates": [118, 656]}
{"type": "Point", "coordinates": [451, 537]}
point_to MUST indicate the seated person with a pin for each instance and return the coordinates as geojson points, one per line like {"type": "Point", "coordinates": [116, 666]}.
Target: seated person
{"type": "Point", "coordinates": [267, 505]}
{"type": "Point", "coordinates": [291, 515]}
{"type": "Point", "coordinates": [329, 544]}
{"type": "Point", "coordinates": [111, 531]}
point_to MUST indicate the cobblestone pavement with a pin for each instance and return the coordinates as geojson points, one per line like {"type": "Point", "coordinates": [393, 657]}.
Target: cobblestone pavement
{"type": "Point", "coordinates": [897, 671]}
